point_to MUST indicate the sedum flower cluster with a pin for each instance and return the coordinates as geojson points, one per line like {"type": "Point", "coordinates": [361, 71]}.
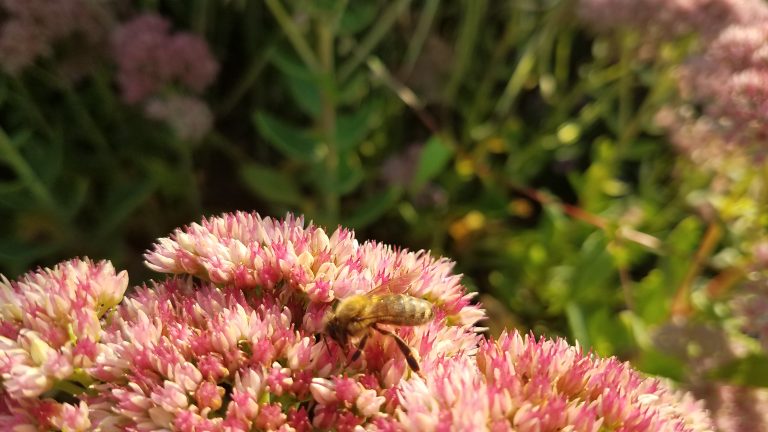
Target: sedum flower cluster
{"type": "Point", "coordinates": [233, 340]}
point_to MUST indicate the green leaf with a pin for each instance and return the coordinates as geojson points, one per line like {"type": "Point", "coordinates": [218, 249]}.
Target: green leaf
{"type": "Point", "coordinates": [306, 94]}
{"type": "Point", "coordinates": [658, 363]}
{"type": "Point", "coordinates": [434, 157]}
{"type": "Point", "coordinates": [352, 129]}
{"type": "Point", "coordinates": [287, 63]}
{"type": "Point", "coordinates": [373, 208]}
{"type": "Point", "coordinates": [750, 371]}
{"type": "Point", "coordinates": [357, 16]}
{"type": "Point", "coordinates": [577, 322]}
{"type": "Point", "coordinates": [123, 201]}
{"type": "Point", "coordinates": [595, 272]}
{"type": "Point", "coordinates": [289, 140]}
{"type": "Point", "coordinates": [73, 195]}
{"type": "Point", "coordinates": [11, 187]}
{"type": "Point", "coordinates": [16, 256]}
{"type": "Point", "coordinates": [349, 174]}
{"type": "Point", "coordinates": [270, 184]}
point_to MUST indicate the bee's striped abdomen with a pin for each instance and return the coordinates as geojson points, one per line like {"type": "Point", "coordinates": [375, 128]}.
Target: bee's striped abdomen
{"type": "Point", "coordinates": [401, 309]}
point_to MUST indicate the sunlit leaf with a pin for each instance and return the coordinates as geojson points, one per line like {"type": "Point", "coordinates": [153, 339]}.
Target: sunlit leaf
{"type": "Point", "coordinates": [434, 157]}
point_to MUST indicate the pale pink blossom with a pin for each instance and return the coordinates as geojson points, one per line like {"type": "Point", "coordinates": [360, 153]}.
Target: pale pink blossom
{"type": "Point", "coordinates": [188, 117]}
{"type": "Point", "coordinates": [50, 320]}
{"type": "Point", "coordinates": [150, 57]}
{"type": "Point", "coordinates": [521, 384]}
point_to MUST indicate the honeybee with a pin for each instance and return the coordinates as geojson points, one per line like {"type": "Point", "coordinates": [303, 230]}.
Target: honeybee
{"type": "Point", "coordinates": [357, 315]}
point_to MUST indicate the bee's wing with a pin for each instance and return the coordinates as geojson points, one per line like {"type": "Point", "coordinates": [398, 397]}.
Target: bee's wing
{"type": "Point", "coordinates": [397, 284]}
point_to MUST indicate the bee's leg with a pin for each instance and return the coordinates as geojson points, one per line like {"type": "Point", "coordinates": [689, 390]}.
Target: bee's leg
{"type": "Point", "coordinates": [404, 348]}
{"type": "Point", "coordinates": [359, 349]}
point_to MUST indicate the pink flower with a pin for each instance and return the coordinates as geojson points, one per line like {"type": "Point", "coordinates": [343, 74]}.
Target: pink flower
{"type": "Point", "coordinates": [667, 19]}
{"type": "Point", "coordinates": [149, 58]}
{"type": "Point", "coordinates": [50, 322]}
{"type": "Point", "coordinates": [42, 414]}
{"type": "Point", "coordinates": [737, 408]}
{"type": "Point", "coordinates": [518, 383]}
{"type": "Point", "coordinates": [188, 117]}
{"type": "Point", "coordinates": [33, 28]}
{"type": "Point", "coordinates": [232, 344]}
{"type": "Point", "coordinates": [751, 305]}
{"type": "Point", "coordinates": [250, 251]}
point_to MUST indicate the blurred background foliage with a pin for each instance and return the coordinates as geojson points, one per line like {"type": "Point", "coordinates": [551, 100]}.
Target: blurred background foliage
{"type": "Point", "coordinates": [520, 138]}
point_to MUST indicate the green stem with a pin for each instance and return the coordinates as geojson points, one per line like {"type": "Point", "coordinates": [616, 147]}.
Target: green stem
{"type": "Point", "coordinates": [563, 50]}
{"type": "Point", "coordinates": [200, 16]}
{"type": "Point", "coordinates": [86, 121]}
{"type": "Point", "coordinates": [465, 46]}
{"type": "Point", "coordinates": [249, 79]}
{"type": "Point", "coordinates": [222, 143]}
{"type": "Point", "coordinates": [482, 96]}
{"type": "Point", "coordinates": [626, 83]}
{"type": "Point", "coordinates": [31, 110]}
{"type": "Point", "coordinates": [648, 107]}
{"type": "Point", "coordinates": [519, 76]}
{"type": "Point", "coordinates": [553, 23]}
{"type": "Point", "coordinates": [9, 153]}
{"type": "Point", "coordinates": [84, 118]}
{"type": "Point", "coordinates": [420, 35]}
{"type": "Point", "coordinates": [328, 117]}
{"type": "Point", "coordinates": [188, 167]}
{"type": "Point", "coordinates": [374, 36]}
{"type": "Point", "coordinates": [294, 34]}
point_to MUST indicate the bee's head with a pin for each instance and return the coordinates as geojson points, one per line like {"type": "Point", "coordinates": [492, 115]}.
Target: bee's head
{"type": "Point", "coordinates": [335, 331]}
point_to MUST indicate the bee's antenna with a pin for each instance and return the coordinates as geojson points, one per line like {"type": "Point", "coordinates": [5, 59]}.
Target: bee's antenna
{"type": "Point", "coordinates": [325, 341]}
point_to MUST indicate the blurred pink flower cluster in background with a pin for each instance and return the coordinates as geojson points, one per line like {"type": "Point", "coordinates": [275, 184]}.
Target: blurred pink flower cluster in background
{"type": "Point", "coordinates": [667, 19]}
{"type": "Point", "coordinates": [32, 28]}
{"type": "Point", "coordinates": [723, 87]}
{"type": "Point", "coordinates": [163, 72]}
{"type": "Point", "coordinates": [150, 58]}
{"type": "Point", "coordinates": [232, 342]}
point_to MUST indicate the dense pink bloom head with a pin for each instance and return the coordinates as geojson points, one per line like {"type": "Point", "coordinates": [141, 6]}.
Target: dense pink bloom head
{"type": "Point", "coordinates": [521, 384]}
{"type": "Point", "coordinates": [150, 57]}
{"type": "Point", "coordinates": [249, 251]}
{"type": "Point", "coordinates": [50, 322]}
{"type": "Point", "coordinates": [234, 342]}
{"type": "Point", "coordinates": [50, 329]}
